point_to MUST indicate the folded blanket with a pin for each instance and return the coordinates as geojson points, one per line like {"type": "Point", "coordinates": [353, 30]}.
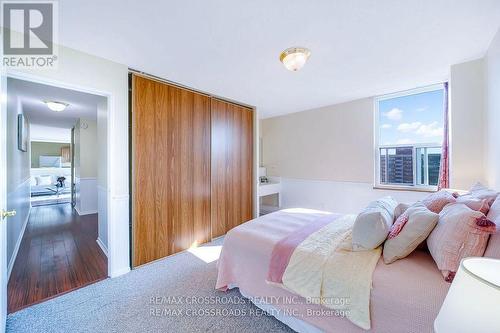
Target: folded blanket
{"type": "Point", "coordinates": [316, 262]}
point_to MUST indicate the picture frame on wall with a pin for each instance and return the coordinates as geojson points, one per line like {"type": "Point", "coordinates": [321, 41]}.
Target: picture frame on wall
{"type": "Point", "coordinates": [22, 133]}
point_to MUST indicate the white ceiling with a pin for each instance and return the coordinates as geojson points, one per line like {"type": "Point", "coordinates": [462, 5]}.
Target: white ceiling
{"type": "Point", "coordinates": [230, 48]}
{"type": "Point", "coordinates": [32, 95]}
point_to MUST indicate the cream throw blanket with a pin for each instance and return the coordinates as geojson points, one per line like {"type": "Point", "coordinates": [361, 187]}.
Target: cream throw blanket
{"type": "Point", "coordinates": [324, 270]}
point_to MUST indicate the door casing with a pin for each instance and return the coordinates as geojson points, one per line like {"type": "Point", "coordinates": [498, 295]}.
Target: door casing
{"type": "Point", "coordinates": [3, 201]}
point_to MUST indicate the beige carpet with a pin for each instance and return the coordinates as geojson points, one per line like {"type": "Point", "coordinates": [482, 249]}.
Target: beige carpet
{"type": "Point", "coordinates": [172, 295]}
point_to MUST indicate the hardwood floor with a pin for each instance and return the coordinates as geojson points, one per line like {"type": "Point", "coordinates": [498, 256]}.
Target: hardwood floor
{"type": "Point", "coordinates": [58, 253]}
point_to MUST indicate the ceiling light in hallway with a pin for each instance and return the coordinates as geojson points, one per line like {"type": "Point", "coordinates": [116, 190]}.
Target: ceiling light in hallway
{"type": "Point", "coordinates": [56, 106]}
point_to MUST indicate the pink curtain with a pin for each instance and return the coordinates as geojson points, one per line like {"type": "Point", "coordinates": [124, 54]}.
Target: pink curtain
{"type": "Point", "coordinates": [444, 168]}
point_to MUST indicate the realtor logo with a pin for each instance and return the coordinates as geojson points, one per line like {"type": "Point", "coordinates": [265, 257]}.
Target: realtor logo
{"type": "Point", "coordinates": [28, 33]}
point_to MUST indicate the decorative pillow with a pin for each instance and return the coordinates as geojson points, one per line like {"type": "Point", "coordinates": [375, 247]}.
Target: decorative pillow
{"type": "Point", "coordinates": [435, 202]}
{"type": "Point", "coordinates": [398, 225]}
{"type": "Point", "coordinates": [494, 212]}
{"type": "Point", "coordinates": [43, 180]}
{"type": "Point", "coordinates": [460, 233]}
{"type": "Point", "coordinates": [372, 224]}
{"type": "Point", "coordinates": [493, 248]}
{"type": "Point", "coordinates": [419, 223]}
{"type": "Point", "coordinates": [480, 205]}
{"type": "Point", "coordinates": [400, 209]}
{"type": "Point", "coordinates": [480, 191]}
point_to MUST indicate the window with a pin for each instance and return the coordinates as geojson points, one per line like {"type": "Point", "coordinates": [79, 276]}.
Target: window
{"type": "Point", "coordinates": [409, 135]}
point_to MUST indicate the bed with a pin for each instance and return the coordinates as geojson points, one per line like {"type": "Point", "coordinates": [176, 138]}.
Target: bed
{"type": "Point", "coordinates": [406, 295]}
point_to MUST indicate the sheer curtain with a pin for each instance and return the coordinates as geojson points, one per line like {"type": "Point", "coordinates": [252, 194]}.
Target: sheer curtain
{"type": "Point", "coordinates": [444, 168]}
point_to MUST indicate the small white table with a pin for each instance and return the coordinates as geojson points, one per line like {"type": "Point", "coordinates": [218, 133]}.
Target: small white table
{"type": "Point", "coordinates": [273, 187]}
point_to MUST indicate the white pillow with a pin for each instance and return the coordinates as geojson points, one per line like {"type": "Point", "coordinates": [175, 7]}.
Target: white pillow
{"type": "Point", "coordinates": [44, 180]}
{"type": "Point", "coordinates": [372, 224]}
{"type": "Point", "coordinates": [400, 209]}
{"type": "Point", "coordinates": [420, 223]}
{"type": "Point", "coordinates": [493, 248]}
{"type": "Point", "coordinates": [482, 192]}
{"type": "Point", "coordinates": [494, 212]}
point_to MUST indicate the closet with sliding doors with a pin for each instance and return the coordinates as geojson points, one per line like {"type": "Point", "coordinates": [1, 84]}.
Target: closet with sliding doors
{"type": "Point", "coordinates": [192, 167]}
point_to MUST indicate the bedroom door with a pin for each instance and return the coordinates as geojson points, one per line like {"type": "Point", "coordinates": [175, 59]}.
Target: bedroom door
{"type": "Point", "coordinates": [3, 203]}
{"type": "Point", "coordinates": [232, 166]}
{"type": "Point", "coordinates": [170, 169]}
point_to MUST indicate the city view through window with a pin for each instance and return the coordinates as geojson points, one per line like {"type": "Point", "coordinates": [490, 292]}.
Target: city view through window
{"type": "Point", "coordinates": [410, 136]}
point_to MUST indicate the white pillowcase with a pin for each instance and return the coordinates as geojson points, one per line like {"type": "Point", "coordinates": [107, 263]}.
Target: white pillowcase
{"type": "Point", "coordinates": [43, 180]}
{"type": "Point", "coordinates": [494, 212]}
{"type": "Point", "coordinates": [373, 224]}
{"type": "Point", "coordinates": [493, 248]}
{"type": "Point", "coordinates": [400, 209]}
{"type": "Point", "coordinates": [482, 192]}
{"type": "Point", "coordinates": [420, 223]}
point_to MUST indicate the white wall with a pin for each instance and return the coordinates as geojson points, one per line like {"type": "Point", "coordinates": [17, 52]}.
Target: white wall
{"type": "Point", "coordinates": [337, 196]}
{"type": "Point", "coordinates": [86, 147]}
{"type": "Point", "coordinates": [18, 182]}
{"type": "Point", "coordinates": [325, 156]}
{"type": "Point", "coordinates": [492, 78]}
{"type": "Point", "coordinates": [86, 155]}
{"type": "Point", "coordinates": [467, 155]}
{"type": "Point", "coordinates": [49, 134]}
{"type": "Point", "coordinates": [330, 143]}
{"type": "Point", "coordinates": [91, 74]}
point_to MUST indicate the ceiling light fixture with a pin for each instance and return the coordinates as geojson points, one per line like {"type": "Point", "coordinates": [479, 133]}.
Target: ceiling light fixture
{"type": "Point", "coordinates": [56, 106]}
{"type": "Point", "coordinates": [294, 58]}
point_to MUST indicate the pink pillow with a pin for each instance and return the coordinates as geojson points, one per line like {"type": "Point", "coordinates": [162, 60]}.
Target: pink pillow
{"type": "Point", "coordinates": [398, 225]}
{"type": "Point", "coordinates": [435, 202]}
{"type": "Point", "coordinates": [480, 205]}
{"type": "Point", "coordinates": [460, 233]}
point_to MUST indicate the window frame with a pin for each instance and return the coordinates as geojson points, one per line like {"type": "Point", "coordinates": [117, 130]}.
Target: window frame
{"type": "Point", "coordinates": [376, 148]}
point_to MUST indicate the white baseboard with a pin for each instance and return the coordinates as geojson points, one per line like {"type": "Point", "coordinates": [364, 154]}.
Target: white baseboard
{"type": "Point", "coordinates": [102, 246]}
{"type": "Point", "coordinates": [18, 245]}
{"type": "Point", "coordinates": [119, 272]}
{"type": "Point", "coordinates": [85, 212]}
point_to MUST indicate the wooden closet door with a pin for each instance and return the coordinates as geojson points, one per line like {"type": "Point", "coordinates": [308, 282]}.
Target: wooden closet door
{"type": "Point", "coordinates": [232, 166]}
{"type": "Point", "coordinates": [171, 169]}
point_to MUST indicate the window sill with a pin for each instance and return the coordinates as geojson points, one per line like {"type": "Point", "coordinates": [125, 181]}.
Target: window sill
{"type": "Point", "coordinates": [405, 188]}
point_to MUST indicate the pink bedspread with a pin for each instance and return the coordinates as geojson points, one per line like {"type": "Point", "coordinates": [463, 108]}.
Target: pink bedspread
{"type": "Point", "coordinates": [406, 295]}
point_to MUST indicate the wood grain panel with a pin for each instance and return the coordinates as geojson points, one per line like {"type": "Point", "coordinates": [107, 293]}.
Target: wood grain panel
{"type": "Point", "coordinates": [163, 149]}
{"type": "Point", "coordinates": [145, 163]}
{"type": "Point", "coordinates": [232, 166]}
{"type": "Point", "coordinates": [171, 169]}
{"type": "Point", "coordinates": [201, 169]}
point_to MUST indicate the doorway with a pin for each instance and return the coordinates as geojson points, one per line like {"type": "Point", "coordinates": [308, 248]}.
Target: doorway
{"type": "Point", "coordinates": [57, 242]}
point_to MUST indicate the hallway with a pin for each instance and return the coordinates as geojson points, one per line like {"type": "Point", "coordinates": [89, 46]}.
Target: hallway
{"type": "Point", "coordinates": [58, 253]}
